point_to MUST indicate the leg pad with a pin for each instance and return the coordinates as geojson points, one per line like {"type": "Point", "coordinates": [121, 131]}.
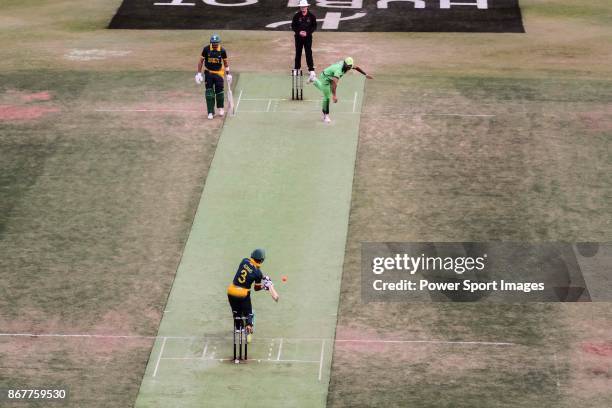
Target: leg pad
{"type": "Point", "coordinates": [220, 98]}
{"type": "Point", "coordinates": [210, 100]}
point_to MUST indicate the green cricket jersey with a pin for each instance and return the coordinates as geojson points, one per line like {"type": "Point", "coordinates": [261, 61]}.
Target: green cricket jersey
{"type": "Point", "coordinates": [334, 70]}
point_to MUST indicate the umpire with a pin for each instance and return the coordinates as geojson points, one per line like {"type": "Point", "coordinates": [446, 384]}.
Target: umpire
{"type": "Point", "coordinates": [304, 23]}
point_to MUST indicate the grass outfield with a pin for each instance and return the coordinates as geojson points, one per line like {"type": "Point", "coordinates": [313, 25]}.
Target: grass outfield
{"type": "Point", "coordinates": [95, 206]}
{"type": "Point", "coordinates": [536, 169]}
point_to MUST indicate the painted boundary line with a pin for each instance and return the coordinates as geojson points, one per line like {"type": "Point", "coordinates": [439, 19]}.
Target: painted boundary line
{"type": "Point", "coordinates": [208, 338]}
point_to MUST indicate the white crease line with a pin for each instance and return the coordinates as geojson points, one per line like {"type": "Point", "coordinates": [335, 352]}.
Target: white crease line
{"type": "Point", "coordinates": [111, 336]}
{"type": "Point", "coordinates": [321, 359]}
{"type": "Point", "coordinates": [100, 336]}
{"type": "Point", "coordinates": [280, 347]}
{"type": "Point", "coordinates": [301, 112]}
{"type": "Point", "coordinates": [355, 102]}
{"type": "Point", "coordinates": [259, 360]}
{"type": "Point", "coordinates": [482, 343]}
{"type": "Point", "coordinates": [412, 114]}
{"type": "Point", "coordinates": [269, 103]}
{"type": "Point", "coordinates": [238, 103]}
{"type": "Point", "coordinates": [454, 114]}
{"type": "Point", "coordinates": [278, 99]}
{"type": "Point", "coordinates": [265, 99]}
{"type": "Point", "coordinates": [205, 348]}
{"type": "Point", "coordinates": [147, 110]}
{"type": "Point", "coordinates": [159, 357]}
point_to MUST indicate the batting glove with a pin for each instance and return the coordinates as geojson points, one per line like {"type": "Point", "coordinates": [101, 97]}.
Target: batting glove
{"type": "Point", "coordinates": [267, 282]}
{"type": "Point", "coordinates": [199, 78]}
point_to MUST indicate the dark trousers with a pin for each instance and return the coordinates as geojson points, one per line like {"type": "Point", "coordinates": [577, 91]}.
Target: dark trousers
{"type": "Point", "coordinates": [306, 43]}
{"type": "Point", "coordinates": [241, 307]}
{"type": "Point", "coordinates": [213, 81]}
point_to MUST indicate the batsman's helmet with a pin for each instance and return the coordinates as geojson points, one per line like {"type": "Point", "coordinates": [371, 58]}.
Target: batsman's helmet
{"type": "Point", "coordinates": [349, 61]}
{"type": "Point", "coordinates": [215, 39]}
{"type": "Point", "coordinates": [259, 255]}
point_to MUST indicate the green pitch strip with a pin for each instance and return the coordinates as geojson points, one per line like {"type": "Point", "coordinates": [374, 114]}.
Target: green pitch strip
{"type": "Point", "coordinates": [280, 179]}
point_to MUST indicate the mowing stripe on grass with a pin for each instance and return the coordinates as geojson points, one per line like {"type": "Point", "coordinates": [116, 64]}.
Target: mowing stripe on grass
{"type": "Point", "coordinates": [281, 182]}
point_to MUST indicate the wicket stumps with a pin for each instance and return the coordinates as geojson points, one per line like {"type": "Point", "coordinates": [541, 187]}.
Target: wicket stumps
{"type": "Point", "coordinates": [240, 323]}
{"type": "Point", "coordinates": [297, 85]}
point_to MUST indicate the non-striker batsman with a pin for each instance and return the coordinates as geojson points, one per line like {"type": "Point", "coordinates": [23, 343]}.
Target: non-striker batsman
{"type": "Point", "coordinates": [216, 66]}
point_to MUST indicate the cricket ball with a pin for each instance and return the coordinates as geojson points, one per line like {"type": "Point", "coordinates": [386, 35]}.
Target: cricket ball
{"type": "Point", "coordinates": [284, 279]}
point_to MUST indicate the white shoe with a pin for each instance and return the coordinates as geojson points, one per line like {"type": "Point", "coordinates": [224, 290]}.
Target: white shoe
{"type": "Point", "coordinates": [210, 116]}
{"type": "Point", "coordinates": [326, 119]}
{"type": "Point", "coordinates": [221, 112]}
{"type": "Point", "coordinates": [312, 76]}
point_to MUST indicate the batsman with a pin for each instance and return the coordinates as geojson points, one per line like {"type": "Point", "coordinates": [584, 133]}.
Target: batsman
{"type": "Point", "coordinates": [214, 60]}
{"type": "Point", "coordinates": [239, 291]}
{"type": "Point", "coordinates": [328, 82]}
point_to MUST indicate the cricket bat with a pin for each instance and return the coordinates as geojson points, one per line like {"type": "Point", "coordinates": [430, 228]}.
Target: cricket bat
{"type": "Point", "coordinates": [230, 98]}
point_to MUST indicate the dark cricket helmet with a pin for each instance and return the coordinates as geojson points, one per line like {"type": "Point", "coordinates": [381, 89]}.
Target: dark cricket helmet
{"type": "Point", "coordinates": [259, 255]}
